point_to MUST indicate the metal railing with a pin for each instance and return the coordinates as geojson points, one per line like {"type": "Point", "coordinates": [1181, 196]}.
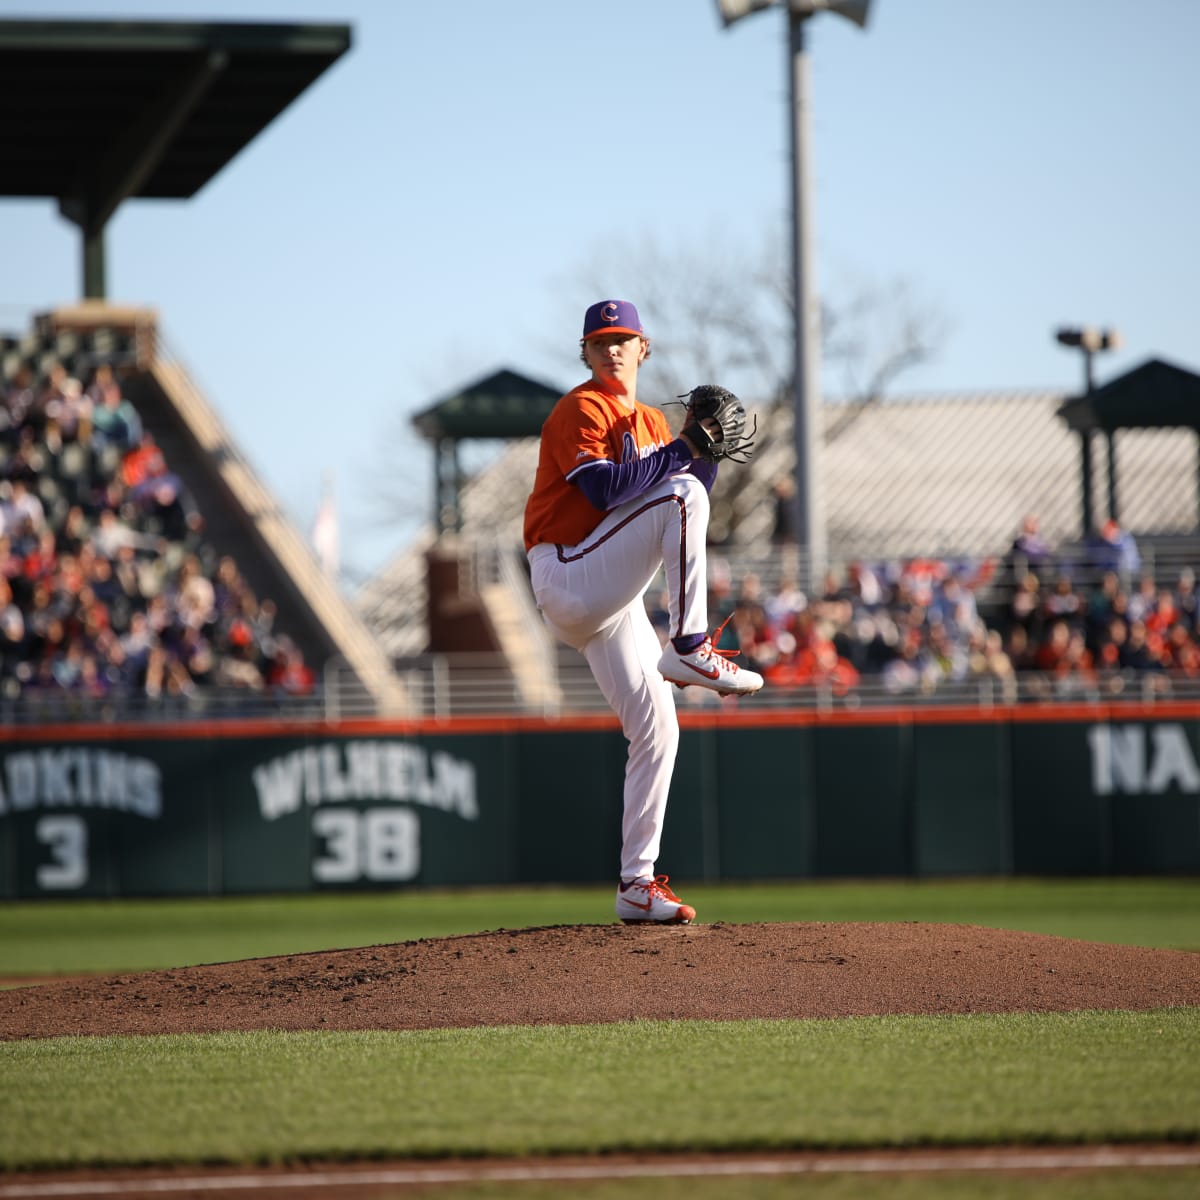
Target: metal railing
{"type": "Point", "coordinates": [447, 686]}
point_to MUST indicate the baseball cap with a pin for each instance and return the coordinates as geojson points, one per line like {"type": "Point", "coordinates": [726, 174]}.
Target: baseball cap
{"type": "Point", "coordinates": [612, 316]}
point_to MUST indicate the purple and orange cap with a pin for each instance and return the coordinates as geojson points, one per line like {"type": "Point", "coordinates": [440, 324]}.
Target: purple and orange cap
{"type": "Point", "coordinates": [612, 316]}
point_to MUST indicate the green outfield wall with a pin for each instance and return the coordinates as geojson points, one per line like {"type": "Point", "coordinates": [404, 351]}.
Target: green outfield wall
{"type": "Point", "coordinates": [261, 807]}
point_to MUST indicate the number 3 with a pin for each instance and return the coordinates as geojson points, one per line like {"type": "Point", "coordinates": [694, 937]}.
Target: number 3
{"type": "Point", "coordinates": [67, 838]}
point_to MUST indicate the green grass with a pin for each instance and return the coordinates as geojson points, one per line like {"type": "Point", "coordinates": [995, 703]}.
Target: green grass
{"type": "Point", "coordinates": [64, 937]}
{"type": "Point", "coordinates": [888, 1081]}
{"type": "Point", "coordinates": [642, 1086]}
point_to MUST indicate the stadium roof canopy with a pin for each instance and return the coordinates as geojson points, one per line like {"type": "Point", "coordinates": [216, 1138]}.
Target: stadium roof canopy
{"type": "Point", "coordinates": [95, 112]}
{"type": "Point", "coordinates": [1155, 395]}
{"type": "Point", "coordinates": [503, 405]}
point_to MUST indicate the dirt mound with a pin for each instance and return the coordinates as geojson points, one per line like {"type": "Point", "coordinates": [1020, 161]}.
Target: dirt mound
{"type": "Point", "coordinates": [595, 973]}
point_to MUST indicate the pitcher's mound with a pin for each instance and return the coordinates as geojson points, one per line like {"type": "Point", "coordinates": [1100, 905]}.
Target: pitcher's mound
{"type": "Point", "coordinates": [594, 973]}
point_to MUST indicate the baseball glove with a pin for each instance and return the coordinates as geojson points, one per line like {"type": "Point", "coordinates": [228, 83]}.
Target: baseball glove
{"type": "Point", "coordinates": [730, 439]}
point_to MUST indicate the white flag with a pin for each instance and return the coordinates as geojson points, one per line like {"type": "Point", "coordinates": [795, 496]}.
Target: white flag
{"type": "Point", "coordinates": [325, 530]}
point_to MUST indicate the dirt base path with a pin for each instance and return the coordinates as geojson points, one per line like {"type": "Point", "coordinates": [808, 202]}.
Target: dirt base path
{"type": "Point", "coordinates": [599, 973]}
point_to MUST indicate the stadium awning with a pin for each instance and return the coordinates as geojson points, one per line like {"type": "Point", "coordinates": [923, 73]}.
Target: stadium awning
{"type": "Point", "coordinates": [1155, 395]}
{"type": "Point", "coordinates": [95, 112]}
{"type": "Point", "coordinates": [504, 405]}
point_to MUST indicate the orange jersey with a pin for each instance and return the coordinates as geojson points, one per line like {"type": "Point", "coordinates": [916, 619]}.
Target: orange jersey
{"type": "Point", "coordinates": [585, 426]}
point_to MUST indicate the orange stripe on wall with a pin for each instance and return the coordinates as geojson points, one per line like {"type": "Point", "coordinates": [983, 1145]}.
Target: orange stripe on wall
{"type": "Point", "coordinates": [732, 718]}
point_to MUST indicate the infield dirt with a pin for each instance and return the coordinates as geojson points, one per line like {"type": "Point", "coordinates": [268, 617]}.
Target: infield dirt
{"type": "Point", "coordinates": [599, 973]}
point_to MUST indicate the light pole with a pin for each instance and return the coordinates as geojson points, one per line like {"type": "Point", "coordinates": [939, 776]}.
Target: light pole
{"type": "Point", "coordinates": [1089, 341]}
{"type": "Point", "coordinates": [809, 498]}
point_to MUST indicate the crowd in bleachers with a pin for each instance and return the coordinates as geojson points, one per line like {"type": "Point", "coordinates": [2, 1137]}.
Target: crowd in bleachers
{"type": "Point", "coordinates": [1088, 623]}
{"type": "Point", "coordinates": [109, 590]}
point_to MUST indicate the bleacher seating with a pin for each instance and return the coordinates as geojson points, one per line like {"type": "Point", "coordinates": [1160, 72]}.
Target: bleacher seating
{"type": "Point", "coordinates": [944, 479]}
{"type": "Point", "coordinates": [114, 601]}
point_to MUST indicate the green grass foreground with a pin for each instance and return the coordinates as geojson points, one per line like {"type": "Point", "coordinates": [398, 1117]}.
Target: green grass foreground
{"type": "Point", "coordinates": [82, 936]}
{"type": "Point", "coordinates": [654, 1086]}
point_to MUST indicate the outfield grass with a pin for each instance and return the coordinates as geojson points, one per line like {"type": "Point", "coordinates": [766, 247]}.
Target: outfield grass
{"type": "Point", "coordinates": [64, 937]}
{"type": "Point", "coordinates": [1067, 1078]}
{"type": "Point", "coordinates": [640, 1086]}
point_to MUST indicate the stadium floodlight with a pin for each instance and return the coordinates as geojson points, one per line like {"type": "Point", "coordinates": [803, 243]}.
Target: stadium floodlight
{"type": "Point", "coordinates": [853, 10]}
{"type": "Point", "coordinates": [808, 501]}
{"type": "Point", "coordinates": [1088, 339]}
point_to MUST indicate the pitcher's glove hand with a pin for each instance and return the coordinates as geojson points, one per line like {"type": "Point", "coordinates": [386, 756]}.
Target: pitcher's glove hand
{"type": "Point", "coordinates": [716, 424]}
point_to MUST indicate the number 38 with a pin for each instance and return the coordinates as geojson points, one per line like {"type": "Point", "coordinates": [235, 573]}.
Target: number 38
{"type": "Point", "coordinates": [380, 844]}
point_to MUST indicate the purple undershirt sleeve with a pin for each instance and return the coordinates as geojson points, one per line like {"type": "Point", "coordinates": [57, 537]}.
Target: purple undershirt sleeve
{"type": "Point", "coordinates": [607, 484]}
{"type": "Point", "coordinates": [705, 471]}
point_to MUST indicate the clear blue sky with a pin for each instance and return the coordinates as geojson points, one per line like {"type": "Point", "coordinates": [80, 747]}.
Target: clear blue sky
{"type": "Point", "coordinates": [425, 213]}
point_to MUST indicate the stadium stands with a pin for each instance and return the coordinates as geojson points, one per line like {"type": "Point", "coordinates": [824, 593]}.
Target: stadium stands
{"type": "Point", "coordinates": [145, 570]}
{"type": "Point", "coordinates": [942, 484]}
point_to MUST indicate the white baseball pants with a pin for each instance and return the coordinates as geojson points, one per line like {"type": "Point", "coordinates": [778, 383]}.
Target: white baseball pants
{"type": "Point", "coordinates": [591, 597]}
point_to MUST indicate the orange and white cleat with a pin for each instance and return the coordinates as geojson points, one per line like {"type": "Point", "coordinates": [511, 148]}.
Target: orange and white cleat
{"type": "Point", "coordinates": [708, 667]}
{"type": "Point", "coordinates": [651, 902]}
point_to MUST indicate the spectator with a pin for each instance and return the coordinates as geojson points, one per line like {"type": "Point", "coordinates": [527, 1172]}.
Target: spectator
{"type": "Point", "coordinates": [12, 565]}
{"type": "Point", "coordinates": [12, 632]}
{"type": "Point", "coordinates": [69, 410]}
{"type": "Point", "coordinates": [75, 531]}
{"type": "Point", "coordinates": [194, 596]}
{"type": "Point", "coordinates": [238, 667]}
{"type": "Point", "coordinates": [144, 462]}
{"type": "Point", "coordinates": [112, 534]}
{"type": "Point", "coordinates": [115, 421]}
{"type": "Point", "coordinates": [751, 629]}
{"type": "Point", "coordinates": [287, 672]}
{"type": "Point", "coordinates": [864, 586]}
{"type": "Point", "coordinates": [229, 588]}
{"type": "Point", "coordinates": [1022, 652]}
{"type": "Point", "coordinates": [1137, 654]}
{"type": "Point", "coordinates": [166, 676]}
{"type": "Point", "coordinates": [1029, 550]}
{"type": "Point", "coordinates": [783, 604]}
{"type": "Point", "coordinates": [1052, 648]}
{"type": "Point", "coordinates": [954, 607]}
{"type": "Point", "coordinates": [946, 658]}
{"type": "Point", "coordinates": [196, 654]}
{"type": "Point", "coordinates": [136, 643]}
{"type": "Point", "coordinates": [1075, 674]}
{"type": "Point", "coordinates": [1187, 600]}
{"type": "Point", "coordinates": [169, 512]}
{"type": "Point", "coordinates": [1143, 600]}
{"type": "Point", "coordinates": [1110, 647]}
{"type": "Point", "coordinates": [1064, 603]}
{"type": "Point", "coordinates": [1163, 614]}
{"type": "Point", "coordinates": [909, 670]}
{"type": "Point", "coordinates": [783, 528]}
{"type": "Point", "coordinates": [988, 661]}
{"type": "Point", "coordinates": [21, 513]}
{"type": "Point", "coordinates": [1112, 548]}
{"type": "Point", "coordinates": [1025, 606]}
{"type": "Point", "coordinates": [1102, 605]}
{"type": "Point", "coordinates": [1181, 653]}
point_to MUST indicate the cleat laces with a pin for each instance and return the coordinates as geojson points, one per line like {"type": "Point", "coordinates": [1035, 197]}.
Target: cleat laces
{"type": "Point", "coordinates": [715, 637]}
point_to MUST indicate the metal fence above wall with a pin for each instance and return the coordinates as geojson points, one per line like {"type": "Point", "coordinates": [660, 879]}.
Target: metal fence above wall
{"type": "Point", "coordinates": [446, 686]}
